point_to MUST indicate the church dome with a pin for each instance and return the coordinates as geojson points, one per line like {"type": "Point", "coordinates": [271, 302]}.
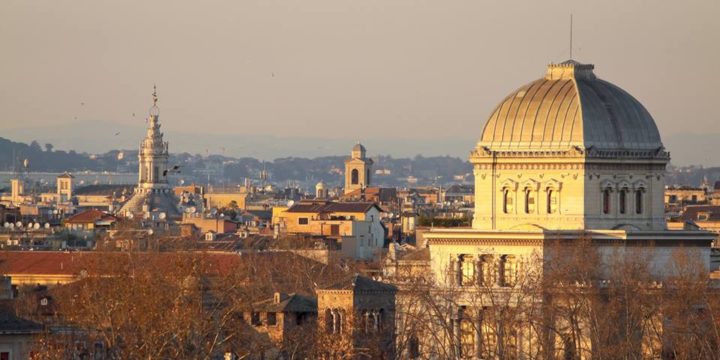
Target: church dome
{"type": "Point", "coordinates": [570, 107]}
{"type": "Point", "coordinates": [358, 147]}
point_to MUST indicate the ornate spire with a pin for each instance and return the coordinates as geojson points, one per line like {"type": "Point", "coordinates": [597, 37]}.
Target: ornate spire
{"type": "Point", "coordinates": [154, 110]}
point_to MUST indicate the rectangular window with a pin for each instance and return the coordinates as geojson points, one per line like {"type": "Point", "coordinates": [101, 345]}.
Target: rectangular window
{"type": "Point", "coordinates": [468, 270]}
{"type": "Point", "coordinates": [509, 273]}
{"type": "Point", "coordinates": [255, 320]}
{"type": "Point", "coordinates": [487, 267]}
{"type": "Point", "coordinates": [303, 221]}
{"type": "Point", "coordinates": [271, 318]}
{"type": "Point", "coordinates": [467, 332]}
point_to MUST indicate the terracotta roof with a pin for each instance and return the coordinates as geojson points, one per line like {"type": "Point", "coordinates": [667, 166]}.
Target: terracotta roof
{"type": "Point", "coordinates": [423, 254]}
{"type": "Point", "coordinates": [71, 263]}
{"type": "Point", "coordinates": [89, 216]}
{"type": "Point", "coordinates": [358, 207]}
{"type": "Point", "coordinates": [360, 283]}
{"type": "Point", "coordinates": [381, 193]}
{"type": "Point", "coordinates": [691, 212]}
{"type": "Point", "coordinates": [288, 303]}
{"type": "Point", "coordinates": [41, 262]}
{"type": "Point", "coordinates": [103, 189]}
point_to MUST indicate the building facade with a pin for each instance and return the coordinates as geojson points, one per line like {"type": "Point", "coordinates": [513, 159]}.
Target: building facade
{"type": "Point", "coordinates": [568, 159]}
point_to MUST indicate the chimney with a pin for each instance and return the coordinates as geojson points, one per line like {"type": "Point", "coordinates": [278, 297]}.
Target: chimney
{"type": "Point", "coordinates": [279, 297]}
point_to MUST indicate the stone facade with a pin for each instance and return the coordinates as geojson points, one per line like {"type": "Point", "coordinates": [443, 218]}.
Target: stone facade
{"type": "Point", "coordinates": [357, 316]}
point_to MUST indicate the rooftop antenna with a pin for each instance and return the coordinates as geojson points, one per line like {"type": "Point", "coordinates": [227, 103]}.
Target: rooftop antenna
{"type": "Point", "coordinates": [571, 39]}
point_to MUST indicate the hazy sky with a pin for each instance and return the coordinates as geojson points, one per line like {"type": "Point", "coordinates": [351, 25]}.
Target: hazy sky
{"type": "Point", "coordinates": [355, 69]}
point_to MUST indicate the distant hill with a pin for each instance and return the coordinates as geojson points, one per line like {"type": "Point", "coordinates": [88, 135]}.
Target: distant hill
{"type": "Point", "coordinates": [226, 169]}
{"type": "Point", "coordinates": [40, 158]}
{"type": "Point", "coordinates": [302, 170]}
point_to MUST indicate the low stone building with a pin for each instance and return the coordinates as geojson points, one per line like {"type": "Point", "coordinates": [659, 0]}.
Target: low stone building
{"type": "Point", "coordinates": [281, 315]}
{"type": "Point", "coordinates": [357, 316]}
{"type": "Point", "coordinates": [16, 334]}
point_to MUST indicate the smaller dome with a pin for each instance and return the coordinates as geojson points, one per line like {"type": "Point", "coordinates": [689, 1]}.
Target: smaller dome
{"type": "Point", "coordinates": [358, 147]}
{"type": "Point", "coordinates": [320, 185]}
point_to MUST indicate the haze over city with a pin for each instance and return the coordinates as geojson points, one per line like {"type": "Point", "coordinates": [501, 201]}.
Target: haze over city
{"type": "Point", "coordinates": [405, 77]}
{"type": "Point", "coordinates": [359, 180]}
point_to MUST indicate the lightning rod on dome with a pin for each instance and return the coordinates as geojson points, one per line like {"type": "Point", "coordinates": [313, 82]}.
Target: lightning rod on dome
{"type": "Point", "coordinates": [571, 36]}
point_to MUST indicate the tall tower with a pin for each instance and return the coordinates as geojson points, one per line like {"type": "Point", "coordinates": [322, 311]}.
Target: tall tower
{"type": "Point", "coordinates": [153, 153]}
{"type": "Point", "coordinates": [16, 190]}
{"type": "Point", "coordinates": [357, 169]}
{"type": "Point", "coordinates": [153, 191]}
{"type": "Point", "coordinates": [65, 187]}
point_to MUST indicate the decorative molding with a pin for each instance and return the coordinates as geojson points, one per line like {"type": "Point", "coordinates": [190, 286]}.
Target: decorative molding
{"type": "Point", "coordinates": [509, 184]}
{"type": "Point", "coordinates": [490, 241]}
{"type": "Point", "coordinates": [614, 167]}
{"type": "Point", "coordinates": [574, 151]}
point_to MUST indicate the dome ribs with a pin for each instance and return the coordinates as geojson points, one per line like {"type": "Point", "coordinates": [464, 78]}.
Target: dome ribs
{"type": "Point", "coordinates": [538, 124]}
{"type": "Point", "coordinates": [569, 107]}
{"type": "Point", "coordinates": [558, 105]}
{"type": "Point", "coordinates": [527, 99]}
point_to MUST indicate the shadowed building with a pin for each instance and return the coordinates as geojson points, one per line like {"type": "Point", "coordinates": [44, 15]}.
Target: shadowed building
{"type": "Point", "coordinates": [357, 315]}
{"type": "Point", "coordinates": [280, 315]}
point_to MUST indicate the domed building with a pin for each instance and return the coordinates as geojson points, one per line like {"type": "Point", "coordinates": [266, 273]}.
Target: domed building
{"type": "Point", "coordinates": [321, 191]}
{"type": "Point", "coordinates": [153, 194]}
{"type": "Point", "coordinates": [568, 158]}
{"type": "Point", "coordinates": [570, 151]}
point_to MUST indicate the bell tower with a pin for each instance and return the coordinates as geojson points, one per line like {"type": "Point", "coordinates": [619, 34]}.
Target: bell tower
{"type": "Point", "coordinates": [357, 169]}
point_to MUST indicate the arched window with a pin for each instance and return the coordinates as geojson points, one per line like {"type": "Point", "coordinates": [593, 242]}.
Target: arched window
{"type": "Point", "coordinates": [552, 201]}
{"type": "Point", "coordinates": [329, 321]}
{"type": "Point", "coordinates": [622, 206]}
{"type": "Point", "coordinates": [639, 201]}
{"type": "Point", "coordinates": [354, 177]}
{"type": "Point", "coordinates": [606, 201]}
{"type": "Point", "coordinates": [367, 177]}
{"type": "Point", "coordinates": [507, 201]}
{"type": "Point", "coordinates": [529, 201]}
